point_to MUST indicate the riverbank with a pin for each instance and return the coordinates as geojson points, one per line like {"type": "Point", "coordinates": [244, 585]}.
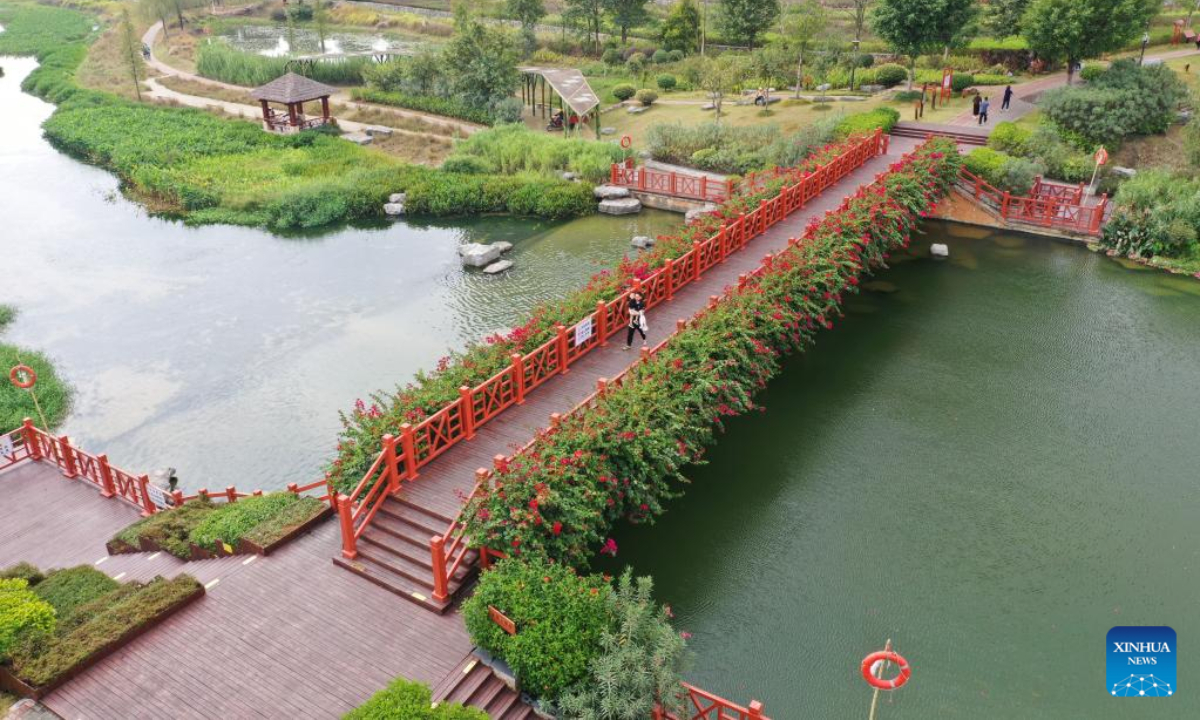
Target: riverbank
{"type": "Point", "coordinates": [16, 404]}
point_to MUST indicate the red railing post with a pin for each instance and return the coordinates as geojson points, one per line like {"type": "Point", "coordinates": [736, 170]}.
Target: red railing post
{"type": "Point", "coordinates": [756, 710]}
{"type": "Point", "coordinates": [230, 494]}
{"type": "Point", "coordinates": [437, 551]}
{"type": "Point", "coordinates": [673, 182]}
{"type": "Point", "coordinates": [612, 174]}
{"type": "Point", "coordinates": [408, 443]}
{"type": "Point", "coordinates": [466, 411]}
{"type": "Point", "coordinates": [696, 260]}
{"type": "Point", "coordinates": [106, 478]}
{"type": "Point", "coordinates": [704, 187]}
{"type": "Point", "coordinates": [723, 242]}
{"type": "Point", "coordinates": [667, 266]}
{"type": "Point", "coordinates": [69, 468]}
{"type": "Point", "coordinates": [561, 332]}
{"type": "Point", "coordinates": [147, 505]}
{"type": "Point", "coordinates": [602, 322]}
{"type": "Point", "coordinates": [346, 520]}
{"type": "Point", "coordinates": [177, 498]}
{"type": "Point", "coordinates": [518, 371]}
{"type": "Point", "coordinates": [390, 469]}
{"type": "Point", "coordinates": [741, 229]}
{"type": "Point", "coordinates": [1004, 203]}
{"type": "Point", "coordinates": [31, 440]}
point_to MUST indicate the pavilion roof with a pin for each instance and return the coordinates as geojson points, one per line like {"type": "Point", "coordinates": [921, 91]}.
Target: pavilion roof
{"type": "Point", "coordinates": [292, 88]}
{"type": "Point", "coordinates": [571, 86]}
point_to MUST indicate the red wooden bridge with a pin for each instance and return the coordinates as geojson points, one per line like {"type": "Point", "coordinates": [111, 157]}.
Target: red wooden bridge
{"type": "Point", "coordinates": [294, 636]}
{"type": "Point", "coordinates": [1057, 206]}
{"type": "Point", "coordinates": [670, 182]}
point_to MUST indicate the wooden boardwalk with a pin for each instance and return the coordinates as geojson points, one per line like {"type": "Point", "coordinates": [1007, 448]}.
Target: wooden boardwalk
{"type": "Point", "coordinates": [292, 635]}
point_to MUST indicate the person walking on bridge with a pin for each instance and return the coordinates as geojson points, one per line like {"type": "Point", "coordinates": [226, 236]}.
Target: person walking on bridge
{"type": "Point", "coordinates": [637, 318]}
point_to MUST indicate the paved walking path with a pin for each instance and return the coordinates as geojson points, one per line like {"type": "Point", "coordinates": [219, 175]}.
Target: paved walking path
{"type": "Point", "coordinates": [292, 635]}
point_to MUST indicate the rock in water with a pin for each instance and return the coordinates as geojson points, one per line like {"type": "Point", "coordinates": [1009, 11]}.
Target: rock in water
{"type": "Point", "coordinates": [498, 267]}
{"type": "Point", "coordinates": [939, 250]}
{"type": "Point", "coordinates": [504, 246]}
{"type": "Point", "coordinates": [610, 192]}
{"type": "Point", "coordinates": [642, 242]}
{"type": "Point", "coordinates": [477, 255]}
{"type": "Point", "coordinates": [400, 198]}
{"type": "Point", "coordinates": [394, 209]}
{"type": "Point", "coordinates": [621, 206]}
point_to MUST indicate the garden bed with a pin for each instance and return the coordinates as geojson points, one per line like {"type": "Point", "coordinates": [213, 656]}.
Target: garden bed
{"type": "Point", "coordinates": [201, 529]}
{"type": "Point", "coordinates": [90, 617]}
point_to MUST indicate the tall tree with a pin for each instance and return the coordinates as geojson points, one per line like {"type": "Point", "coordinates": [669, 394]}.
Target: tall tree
{"type": "Point", "coordinates": [1002, 18]}
{"type": "Point", "coordinates": [480, 61]}
{"type": "Point", "coordinates": [626, 14]}
{"type": "Point", "coordinates": [587, 16]}
{"type": "Point", "coordinates": [801, 27]}
{"type": "Point", "coordinates": [1075, 30]}
{"type": "Point", "coordinates": [722, 75]}
{"type": "Point", "coordinates": [743, 21]}
{"type": "Point", "coordinates": [858, 20]}
{"type": "Point", "coordinates": [922, 27]}
{"type": "Point", "coordinates": [322, 21]}
{"type": "Point", "coordinates": [681, 28]}
{"type": "Point", "coordinates": [131, 49]}
{"type": "Point", "coordinates": [529, 13]}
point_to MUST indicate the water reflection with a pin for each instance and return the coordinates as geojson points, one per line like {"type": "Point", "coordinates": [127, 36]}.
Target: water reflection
{"type": "Point", "coordinates": [281, 41]}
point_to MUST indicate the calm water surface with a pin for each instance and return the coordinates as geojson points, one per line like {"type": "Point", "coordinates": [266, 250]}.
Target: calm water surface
{"type": "Point", "coordinates": [279, 41]}
{"type": "Point", "coordinates": [992, 461]}
{"type": "Point", "coordinates": [227, 352]}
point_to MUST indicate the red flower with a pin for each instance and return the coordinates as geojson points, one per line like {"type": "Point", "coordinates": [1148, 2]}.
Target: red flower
{"type": "Point", "coordinates": [556, 528]}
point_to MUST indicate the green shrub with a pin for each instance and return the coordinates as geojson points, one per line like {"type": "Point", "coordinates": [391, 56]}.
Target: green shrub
{"type": "Point", "coordinates": [1091, 72]}
{"type": "Point", "coordinates": [624, 92]}
{"type": "Point", "coordinates": [665, 81]}
{"type": "Point", "coordinates": [24, 617]}
{"type": "Point", "coordinates": [646, 97]}
{"type": "Point", "coordinates": [7, 313]}
{"type": "Point", "coordinates": [985, 163]}
{"type": "Point", "coordinates": [1155, 214]}
{"type": "Point", "coordinates": [660, 57]}
{"type": "Point", "coordinates": [908, 95]}
{"type": "Point", "coordinates": [560, 618]}
{"type": "Point", "coordinates": [1124, 100]}
{"type": "Point", "coordinates": [24, 571]}
{"type": "Point", "coordinates": [641, 661]}
{"type": "Point", "coordinates": [676, 55]}
{"type": "Point", "coordinates": [961, 81]}
{"type": "Point", "coordinates": [884, 118]}
{"type": "Point", "coordinates": [612, 56]}
{"type": "Point", "coordinates": [231, 521]}
{"type": "Point", "coordinates": [890, 75]}
{"type": "Point", "coordinates": [171, 529]}
{"type": "Point", "coordinates": [99, 624]}
{"type": "Point", "coordinates": [69, 588]}
{"type": "Point", "coordinates": [514, 149]}
{"type": "Point", "coordinates": [408, 700]}
{"type": "Point", "coordinates": [1010, 138]}
{"type": "Point", "coordinates": [508, 110]}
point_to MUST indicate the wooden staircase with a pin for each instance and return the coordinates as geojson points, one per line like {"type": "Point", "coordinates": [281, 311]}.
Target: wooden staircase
{"type": "Point", "coordinates": [394, 553]}
{"type": "Point", "coordinates": [474, 684]}
{"type": "Point", "coordinates": [961, 134]}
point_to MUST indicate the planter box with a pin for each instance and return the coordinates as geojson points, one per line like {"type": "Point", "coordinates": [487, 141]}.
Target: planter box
{"type": "Point", "coordinates": [120, 547]}
{"type": "Point", "coordinates": [13, 684]}
{"type": "Point", "coordinates": [199, 553]}
{"type": "Point", "coordinates": [243, 547]}
{"type": "Point", "coordinates": [301, 529]}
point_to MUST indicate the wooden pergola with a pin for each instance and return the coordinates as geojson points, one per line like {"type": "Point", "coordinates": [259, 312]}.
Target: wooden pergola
{"type": "Point", "coordinates": [575, 95]}
{"type": "Point", "coordinates": [292, 91]}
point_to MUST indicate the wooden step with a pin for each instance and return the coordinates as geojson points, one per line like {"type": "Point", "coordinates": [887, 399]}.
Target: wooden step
{"type": "Point", "coordinates": [469, 684]}
{"type": "Point", "coordinates": [472, 683]}
{"type": "Point", "coordinates": [402, 585]}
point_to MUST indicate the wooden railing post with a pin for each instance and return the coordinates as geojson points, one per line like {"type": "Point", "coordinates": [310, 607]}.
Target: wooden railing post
{"type": "Point", "coordinates": [723, 242]}
{"type": "Point", "coordinates": [148, 507]}
{"type": "Point", "coordinates": [561, 332]}
{"type": "Point", "coordinates": [69, 468]}
{"type": "Point", "coordinates": [704, 187]}
{"type": "Point", "coordinates": [466, 411]}
{"type": "Point", "coordinates": [1004, 203]}
{"type": "Point", "coordinates": [696, 244]}
{"type": "Point", "coordinates": [346, 520]}
{"type": "Point", "coordinates": [612, 174]}
{"type": "Point", "coordinates": [31, 440]}
{"type": "Point", "coordinates": [518, 371]}
{"type": "Point", "coordinates": [390, 469]}
{"type": "Point", "coordinates": [408, 443]}
{"type": "Point", "coordinates": [602, 322]}
{"type": "Point", "coordinates": [230, 494]}
{"type": "Point", "coordinates": [108, 489]}
{"type": "Point", "coordinates": [667, 268]}
{"type": "Point", "coordinates": [756, 710]}
{"type": "Point", "coordinates": [437, 551]}
{"type": "Point", "coordinates": [177, 498]}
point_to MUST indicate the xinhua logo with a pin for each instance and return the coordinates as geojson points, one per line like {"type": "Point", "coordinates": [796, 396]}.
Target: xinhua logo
{"type": "Point", "coordinates": [1141, 661]}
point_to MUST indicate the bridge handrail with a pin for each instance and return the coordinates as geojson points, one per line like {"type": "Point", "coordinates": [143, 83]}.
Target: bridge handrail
{"type": "Point", "coordinates": [670, 182]}
{"type": "Point", "coordinates": [1061, 207]}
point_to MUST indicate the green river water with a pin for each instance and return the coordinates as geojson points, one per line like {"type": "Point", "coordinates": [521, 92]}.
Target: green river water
{"type": "Point", "coordinates": [991, 461]}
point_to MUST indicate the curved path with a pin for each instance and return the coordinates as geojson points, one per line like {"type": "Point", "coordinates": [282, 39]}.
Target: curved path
{"type": "Point", "coordinates": [158, 90]}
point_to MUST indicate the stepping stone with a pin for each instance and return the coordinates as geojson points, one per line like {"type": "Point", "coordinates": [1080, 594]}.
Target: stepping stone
{"type": "Point", "coordinates": [478, 255]}
{"type": "Point", "coordinates": [637, 109]}
{"type": "Point", "coordinates": [610, 192]}
{"type": "Point", "coordinates": [642, 242]}
{"type": "Point", "coordinates": [504, 246]}
{"type": "Point", "coordinates": [398, 198]}
{"type": "Point", "coordinates": [498, 267]}
{"type": "Point", "coordinates": [939, 250]}
{"type": "Point", "coordinates": [394, 209]}
{"type": "Point", "coordinates": [696, 213]}
{"type": "Point", "coordinates": [620, 206]}
{"type": "Point", "coordinates": [358, 138]}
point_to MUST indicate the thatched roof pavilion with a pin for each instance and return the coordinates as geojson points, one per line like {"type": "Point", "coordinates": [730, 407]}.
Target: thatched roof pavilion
{"type": "Point", "coordinates": [293, 91]}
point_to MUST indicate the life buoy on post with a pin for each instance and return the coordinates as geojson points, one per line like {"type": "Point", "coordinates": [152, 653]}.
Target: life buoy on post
{"type": "Point", "coordinates": [22, 376]}
{"type": "Point", "coordinates": [626, 142]}
{"type": "Point", "coordinates": [885, 656]}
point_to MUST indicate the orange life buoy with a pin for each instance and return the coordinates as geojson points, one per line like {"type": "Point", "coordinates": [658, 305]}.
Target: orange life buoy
{"type": "Point", "coordinates": [22, 376]}
{"type": "Point", "coordinates": [626, 142]}
{"type": "Point", "coordinates": [885, 656]}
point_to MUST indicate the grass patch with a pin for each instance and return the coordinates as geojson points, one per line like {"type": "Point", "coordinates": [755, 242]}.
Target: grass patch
{"type": "Point", "coordinates": [8, 313]}
{"type": "Point", "coordinates": [198, 88]}
{"type": "Point", "coordinates": [71, 588]}
{"type": "Point", "coordinates": [411, 701]}
{"type": "Point", "coordinates": [233, 521]}
{"type": "Point", "coordinates": [53, 393]}
{"type": "Point", "coordinates": [106, 67]}
{"type": "Point", "coordinates": [218, 61]}
{"type": "Point", "coordinates": [284, 522]}
{"type": "Point", "coordinates": [171, 529]}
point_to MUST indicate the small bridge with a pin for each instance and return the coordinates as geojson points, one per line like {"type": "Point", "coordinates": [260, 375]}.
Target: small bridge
{"type": "Point", "coordinates": [670, 183]}
{"type": "Point", "coordinates": [1058, 207]}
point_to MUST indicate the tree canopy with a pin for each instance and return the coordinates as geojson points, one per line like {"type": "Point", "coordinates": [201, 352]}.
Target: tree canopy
{"type": "Point", "coordinates": [922, 27]}
{"type": "Point", "coordinates": [681, 28]}
{"type": "Point", "coordinates": [528, 13]}
{"type": "Point", "coordinates": [1074, 30]}
{"type": "Point", "coordinates": [480, 62]}
{"type": "Point", "coordinates": [743, 21]}
{"type": "Point", "coordinates": [626, 14]}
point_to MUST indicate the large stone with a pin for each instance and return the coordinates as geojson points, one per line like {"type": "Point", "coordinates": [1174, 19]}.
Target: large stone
{"type": "Point", "coordinates": [1124, 172]}
{"type": "Point", "coordinates": [378, 131]}
{"type": "Point", "coordinates": [642, 242]}
{"type": "Point", "coordinates": [610, 192]}
{"type": "Point", "coordinates": [358, 138]}
{"type": "Point", "coordinates": [636, 109]}
{"type": "Point", "coordinates": [620, 206]}
{"type": "Point", "coordinates": [394, 209]}
{"type": "Point", "coordinates": [398, 198]}
{"type": "Point", "coordinates": [504, 246]}
{"type": "Point", "coordinates": [708, 106]}
{"type": "Point", "coordinates": [939, 250]}
{"type": "Point", "coordinates": [608, 131]}
{"type": "Point", "coordinates": [870, 88]}
{"type": "Point", "coordinates": [477, 255]}
{"type": "Point", "coordinates": [568, 175]}
{"type": "Point", "coordinates": [696, 213]}
{"type": "Point", "coordinates": [498, 267]}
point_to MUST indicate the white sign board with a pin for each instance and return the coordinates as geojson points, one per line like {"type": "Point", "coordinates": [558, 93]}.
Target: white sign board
{"type": "Point", "coordinates": [6, 448]}
{"type": "Point", "coordinates": [158, 496]}
{"type": "Point", "coordinates": [583, 332]}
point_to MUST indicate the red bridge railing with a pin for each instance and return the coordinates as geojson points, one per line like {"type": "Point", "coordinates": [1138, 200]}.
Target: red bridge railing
{"type": "Point", "coordinates": [707, 706]}
{"type": "Point", "coordinates": [1051, 205]}
{"type": "Point", "coordinates": [29, 443]}
{"type": "Point", "coordinates": [669, 182]}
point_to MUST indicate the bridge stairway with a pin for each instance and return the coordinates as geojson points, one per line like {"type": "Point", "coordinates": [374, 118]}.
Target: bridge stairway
{"type": "Point", "coordinates": [960, 134]}
{"type": "Point", "coordinates": [393, 553]}
{"type": "Point", "coordinates": [474, 684]}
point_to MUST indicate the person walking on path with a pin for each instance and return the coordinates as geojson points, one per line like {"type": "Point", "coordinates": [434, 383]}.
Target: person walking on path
{"type": "Point", "coordinates": [637, 318]}
{"type": "Point", "coordinates": [983, 110]}
{"type": "Point", "coordinates": [1008, 93]}
{"type": "Point", "coordinates": [975, 105]}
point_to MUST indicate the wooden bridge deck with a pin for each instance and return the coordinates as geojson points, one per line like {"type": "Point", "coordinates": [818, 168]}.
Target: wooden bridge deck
{"type": "Point", "coordinates": [292, 635]}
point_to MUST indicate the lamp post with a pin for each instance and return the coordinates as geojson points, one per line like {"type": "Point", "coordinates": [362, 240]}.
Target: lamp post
{"type": "Point", "coordinates": [1145, 42]}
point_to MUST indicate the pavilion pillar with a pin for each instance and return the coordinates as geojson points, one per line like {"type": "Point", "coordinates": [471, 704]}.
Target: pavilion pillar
{"type": "Point", "coordinates": [266, 110]}
{"type": "Point", "coordinates": [325, 108]}
{"type": "Point", "coordinates": [596, 120]}
{"type": "Point", "coordinates": [543, 96]}
{"type": "Point", "coordinates": [292, 119]}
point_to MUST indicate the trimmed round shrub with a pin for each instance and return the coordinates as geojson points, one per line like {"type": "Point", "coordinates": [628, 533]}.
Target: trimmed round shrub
{"type": "Point", "coordinates": [1091, 72]}
{"type": "Point", "coordinates": [646, 97]}
{"type": "Point", "coordinates": [676, 55]}
{"type": "Point", "coordinates": [890, 75]}
{"type": "Point", "coordinates": [908, 95]}
{"type": "Point", "coordinates": [961, 81]}
{"type": "Point", "coordinates": [612, 56]}
{"type": "Point", "coordinates": [22, 614]}
{"type": "Point", "coordinates": [560, 617]}
{"type": "Point", "coordinates": [864, 60]}
{"type": "Point", "coordinates": [661, 56]}
{"type": "Point", "coordinates": [665, 81]}
{"type": "Point", "coordinates": [1010, 138]}
{"type": "Point", "coordinates": [623, 92]}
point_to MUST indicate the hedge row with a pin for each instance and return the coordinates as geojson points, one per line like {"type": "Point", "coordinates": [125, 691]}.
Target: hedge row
{"type": "Point", "coordinates": [623, 457]}
{"type": "Point", "coordinates": [362, 427]}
